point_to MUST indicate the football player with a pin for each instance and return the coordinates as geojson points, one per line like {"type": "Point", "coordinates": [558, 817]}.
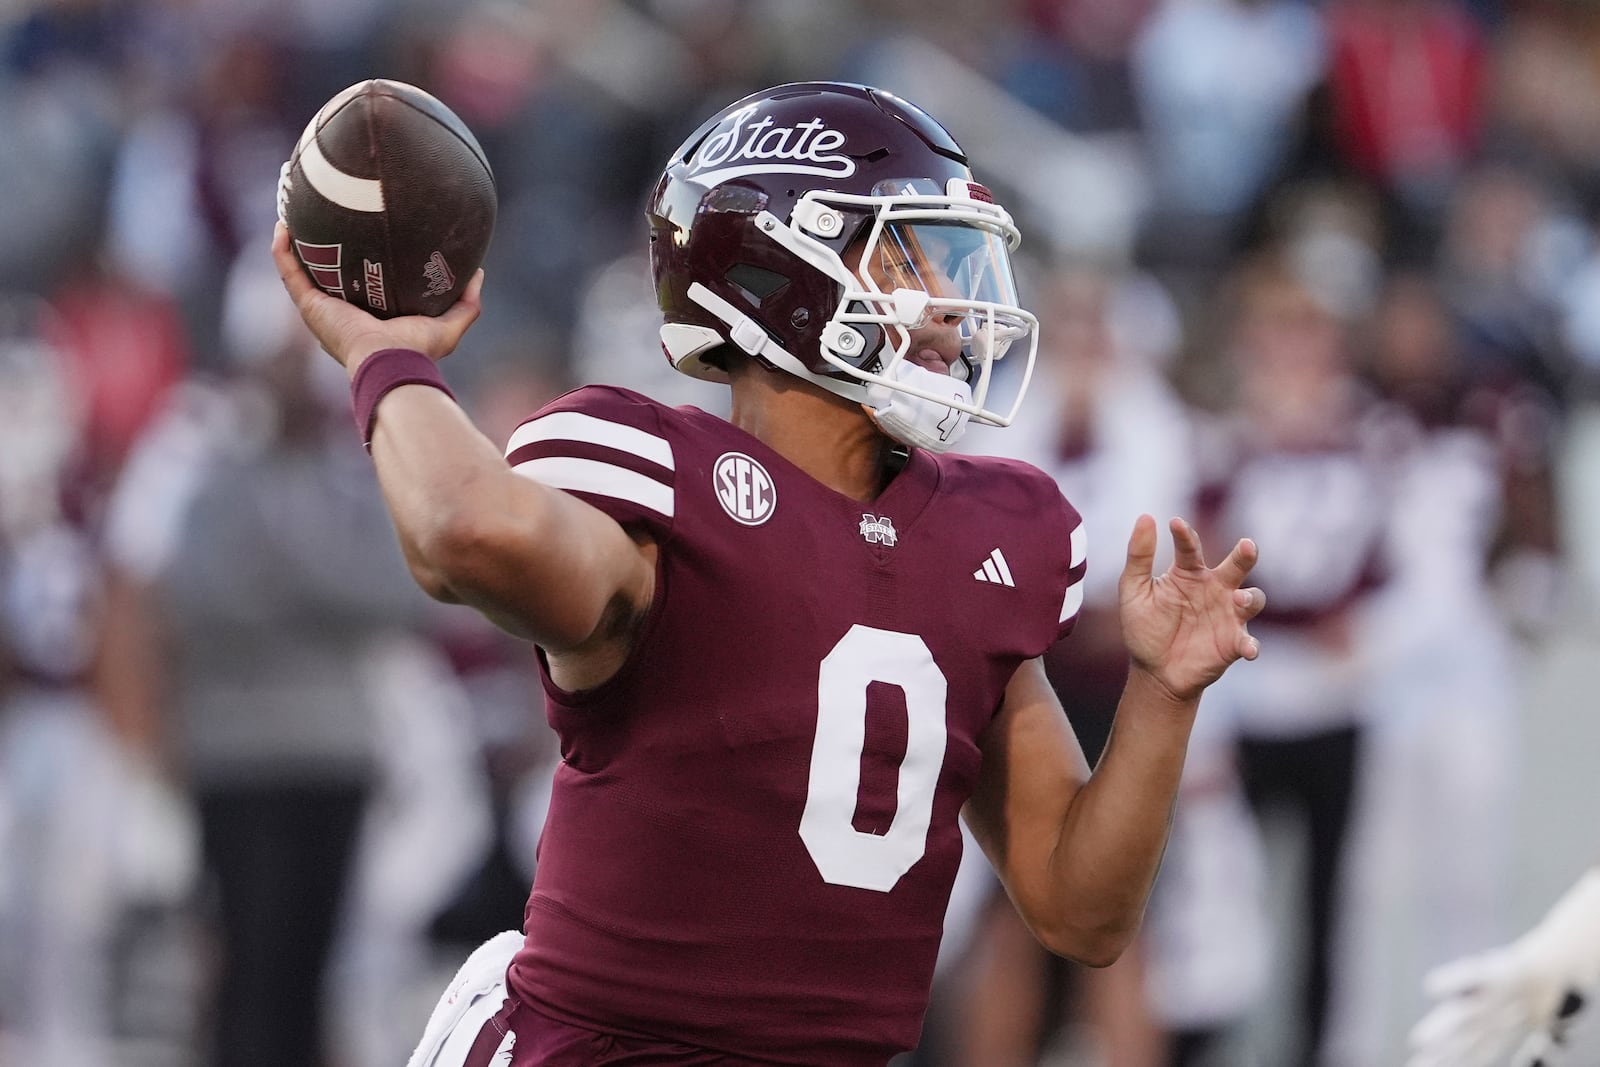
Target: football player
{"type": "Point", "coordinates": [785, 650]}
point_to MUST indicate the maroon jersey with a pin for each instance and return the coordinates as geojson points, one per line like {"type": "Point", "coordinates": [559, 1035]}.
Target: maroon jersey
{"type": "Point", "coordinates": [753, 830]}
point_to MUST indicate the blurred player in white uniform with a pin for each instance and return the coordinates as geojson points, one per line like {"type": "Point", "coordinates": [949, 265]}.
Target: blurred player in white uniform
{"type": "Point", "coordinates": [58, 765]}
{"type": "Point", "coordinates": [1442, 674]}
{"type": "Point", "coordinates": [1299, 467]}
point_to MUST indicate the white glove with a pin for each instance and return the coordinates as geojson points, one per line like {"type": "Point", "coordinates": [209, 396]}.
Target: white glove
{"type": "Point", "coordinates": [911, 420]}
{"type": "Point", "coordinates": [1517, 1001]}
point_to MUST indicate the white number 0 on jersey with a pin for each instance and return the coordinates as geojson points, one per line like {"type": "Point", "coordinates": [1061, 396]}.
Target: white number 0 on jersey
{"type": "Point", "coordinates": [843, 854]}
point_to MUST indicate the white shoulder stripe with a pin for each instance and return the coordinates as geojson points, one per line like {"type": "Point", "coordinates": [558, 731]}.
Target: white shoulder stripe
{"type": "Point", "coordinates": [602, 479]}
{"type": "Point", "coordinates": [1080, 545]}
{"type": "Point", "coordinates": [346, 190]}
{"type": "Point", "coordinates": [1072, 601]}
{"type": "Point", "coordinates": [577, 426]}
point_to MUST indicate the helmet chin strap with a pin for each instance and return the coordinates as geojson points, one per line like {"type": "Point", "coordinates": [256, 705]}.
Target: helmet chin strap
{"type": "Point", "coordinates": [745, 333]}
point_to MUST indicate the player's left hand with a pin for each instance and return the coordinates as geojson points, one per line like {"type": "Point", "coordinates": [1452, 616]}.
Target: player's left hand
{"type": "Point", "coordinates": [1186, 626]}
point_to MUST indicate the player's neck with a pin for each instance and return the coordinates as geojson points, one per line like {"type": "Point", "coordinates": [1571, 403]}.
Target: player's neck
{"type": "Point", "coordinates": [827, 436]}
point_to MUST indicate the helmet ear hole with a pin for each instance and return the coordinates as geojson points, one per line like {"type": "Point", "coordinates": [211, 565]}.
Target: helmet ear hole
{"type": "Point", "coordinates": [755, 283]}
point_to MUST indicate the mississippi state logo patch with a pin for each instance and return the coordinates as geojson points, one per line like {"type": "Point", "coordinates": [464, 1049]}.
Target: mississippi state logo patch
{"type": "Point", "coordinates": [877, 530]}
{"type": "Point", "coordinates": [744, 489]}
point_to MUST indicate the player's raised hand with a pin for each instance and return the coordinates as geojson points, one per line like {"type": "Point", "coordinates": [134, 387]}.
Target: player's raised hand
{"type": "Point", "coordinates": [1186, 626]}
{"type": "Point", "coordinates": [349, 333]}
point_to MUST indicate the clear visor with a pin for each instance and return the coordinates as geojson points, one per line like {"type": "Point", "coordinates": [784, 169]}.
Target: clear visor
{"type": "Point", "coordinates": [946, 260]}
{"type": "Point", "coordinates": [964, 268]}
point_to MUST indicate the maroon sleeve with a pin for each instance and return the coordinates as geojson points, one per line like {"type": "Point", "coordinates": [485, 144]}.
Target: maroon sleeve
{"type": "Point", "coordinates": [1024, 506]}
{"type": "Point", "coordinates": [607, 447]}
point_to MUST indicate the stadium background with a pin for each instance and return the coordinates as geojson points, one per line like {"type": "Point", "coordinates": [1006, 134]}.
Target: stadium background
{"type": "Point", "coordinates": [1160, 145]}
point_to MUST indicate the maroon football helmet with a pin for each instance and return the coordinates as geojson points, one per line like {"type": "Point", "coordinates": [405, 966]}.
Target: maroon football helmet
{"type": "Point", "coordinates": [751, 223]}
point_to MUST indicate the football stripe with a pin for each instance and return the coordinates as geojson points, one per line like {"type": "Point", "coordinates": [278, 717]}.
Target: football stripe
{"type": "Point", "coordinates": [601, 479]}
{"type": "Point", "coordinates": [1080, 545]}
{"type": "Point", "coordinates": [1072, 601]}
{"type": "Point", "coordinates": [577, 426]}
{"type": "Point", "coordinates": [345, 190]}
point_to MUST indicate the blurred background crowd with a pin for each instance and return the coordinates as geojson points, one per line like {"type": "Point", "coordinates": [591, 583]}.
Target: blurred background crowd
{"type": "Point", "coordinates": [1323, 273]}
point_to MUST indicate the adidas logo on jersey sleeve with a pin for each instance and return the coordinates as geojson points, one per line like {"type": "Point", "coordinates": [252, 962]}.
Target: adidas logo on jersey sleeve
{"type": "Point", "coordinates": [995, 570]}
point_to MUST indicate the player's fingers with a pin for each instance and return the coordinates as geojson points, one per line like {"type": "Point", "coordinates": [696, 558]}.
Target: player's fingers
{"type": "Point", "coordinates": [1249, 602]}
{"type": "Point", "coordinates": [1236, 567]}
{"type": "Point", "coordinates": [1459, 1050]}
{"type": "Point", "coordinates": [1248, 647]}
{"type": "Point", "coordinates": [465, 311]}
{"type": "Point", "coordinates": [1486, 1036]}
{"type": "Point", "coordinates": [1458, 976]}
{"type": "Point", "coordinates": [1141, 551]}
{"type": "Point", "coordinates": [1441, 1025]}
{"type": "Point", "coordinates": [294, 279]}
{"type": "Point", "coordinates": [1538, 1048]}
{"type": "Point", "coordinates": [1187, 552]}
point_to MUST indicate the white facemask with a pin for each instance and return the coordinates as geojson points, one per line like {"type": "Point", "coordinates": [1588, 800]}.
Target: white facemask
{"type": "Point", "coordinates": [911, 420]}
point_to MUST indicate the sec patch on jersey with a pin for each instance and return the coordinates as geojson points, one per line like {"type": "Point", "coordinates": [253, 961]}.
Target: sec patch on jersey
{"type": "Point", "coordinates": [389, 200]}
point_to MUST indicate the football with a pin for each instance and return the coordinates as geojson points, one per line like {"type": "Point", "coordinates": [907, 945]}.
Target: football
{"type": "Point", "coordinates": [389, 200]}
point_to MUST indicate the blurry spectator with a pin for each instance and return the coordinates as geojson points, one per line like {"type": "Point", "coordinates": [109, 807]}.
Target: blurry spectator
{"type": "Point", "coordinates": [1072, 61]}
{"type": "Point", "coordinates": [1503, 295]}
{"type": "Point", "coordinates": [60, 817]}
{"type": "Point", "coordinates": [564, 157]}
{"type": "Point", "coordinates": [1493, 266]}
{"type": "Point", "coordinates": [249, 516]}
{"type": "Point", "coordinates": [1442, 665]}
{"type": "Point", "coordinates": [1221, 86]}
{"type": "Point", "coordinates": [1545, 100]}
{"type": "Point", "coordinates": [58, 81]}
{"type": "Point", "coordinates": [1579, 468]}
{"type": "Point", "coordinates": [125, 346]}
{"type": "Point", "coordinates": [1407, 86]}
{"type": "Point", "coordinates": [428, 824]}
{"type": "Point", "coordinates": [196, 173]}
{"type": "Point", "coordinates": [1297, 473]}
{"type": "Point", "coordinates": [1205, 940]}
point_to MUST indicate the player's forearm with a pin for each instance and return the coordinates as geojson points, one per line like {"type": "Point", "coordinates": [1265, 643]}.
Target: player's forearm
{"type": "Point", "coordinates": [1116, 826]}
{"type": "Point", "coordinates": [436, 469]}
